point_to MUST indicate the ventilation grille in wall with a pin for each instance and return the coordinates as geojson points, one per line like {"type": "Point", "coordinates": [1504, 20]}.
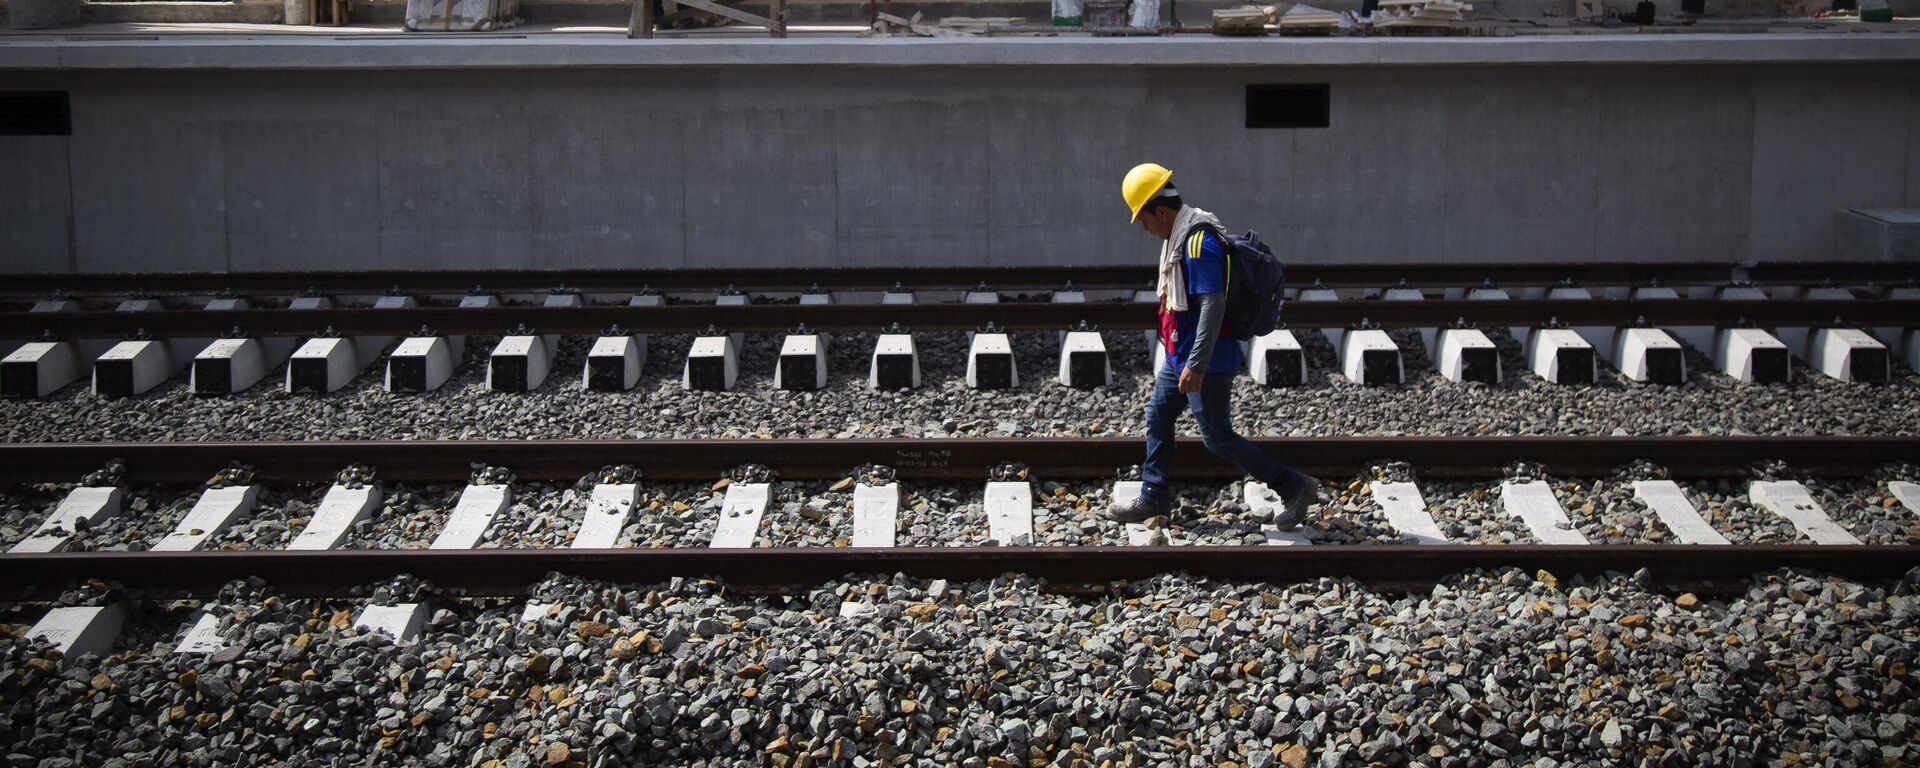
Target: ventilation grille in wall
{"type": "Point", "coordinates": [1287, 106]}
{"type": "Point", "coordinates": [35, 113]}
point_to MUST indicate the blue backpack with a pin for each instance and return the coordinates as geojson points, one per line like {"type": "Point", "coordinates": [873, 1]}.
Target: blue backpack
{"type": "Point", "coordinates": [1255, 281]}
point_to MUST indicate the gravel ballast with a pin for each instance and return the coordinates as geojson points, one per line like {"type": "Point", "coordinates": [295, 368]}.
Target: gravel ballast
{"type": "Point", "coordinates": [1486, 668]}
{"type": "Point", "coordinates": [149, 512]}
{"type": "Point", "coordinates": [23, 507]}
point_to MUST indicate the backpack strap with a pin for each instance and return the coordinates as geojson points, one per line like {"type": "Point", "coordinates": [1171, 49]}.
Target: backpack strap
{"type": "Point", "coordinates": [1226, 252]}
{"type": "Point", "coordinates": [1200, 226]}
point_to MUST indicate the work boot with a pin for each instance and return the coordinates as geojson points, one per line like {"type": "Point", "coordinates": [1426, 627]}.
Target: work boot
{"type": "Point", "coordinates": [1295, 508]}
{"type": "Point", "coordinates": [1138, 509]}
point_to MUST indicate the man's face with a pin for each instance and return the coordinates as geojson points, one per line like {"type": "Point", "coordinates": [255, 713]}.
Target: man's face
{"type": "Point", "coordinates": [1158, 222]}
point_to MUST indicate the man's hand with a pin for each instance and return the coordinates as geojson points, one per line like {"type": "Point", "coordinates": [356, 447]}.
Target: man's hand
{"type": "Point", "coordinates": [1190, 380]}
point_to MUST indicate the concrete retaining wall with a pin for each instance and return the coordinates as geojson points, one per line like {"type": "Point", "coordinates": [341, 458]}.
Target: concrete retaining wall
{"type": "Point", "coordinates": [705, 166]}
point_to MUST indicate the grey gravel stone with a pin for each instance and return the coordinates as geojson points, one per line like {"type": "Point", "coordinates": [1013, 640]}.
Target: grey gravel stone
{"type": "Point", "coordinates": [1485, 668]}
{"type": "Point", "coordinates": [23, 507]}
{"type": "Point", "coordinates": [279, 516]}
{"type": "Point", "coordinates": [148, 512]}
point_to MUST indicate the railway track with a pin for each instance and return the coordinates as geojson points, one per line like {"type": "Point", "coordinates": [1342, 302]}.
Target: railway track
{"type": "Point", "coordinates": [1849, 331]}
{"type": "Point", "coordinates": [1699, 561]}
{"type": "Point", "coordinates": [716, 640]}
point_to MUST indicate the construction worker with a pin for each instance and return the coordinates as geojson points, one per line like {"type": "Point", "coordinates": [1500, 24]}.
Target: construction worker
{"type": "Point", "coordinates": [1200, 359]}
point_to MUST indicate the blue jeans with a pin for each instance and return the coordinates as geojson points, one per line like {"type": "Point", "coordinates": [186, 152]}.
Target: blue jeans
{"type": "Point", "coordinates": [1213, 409]}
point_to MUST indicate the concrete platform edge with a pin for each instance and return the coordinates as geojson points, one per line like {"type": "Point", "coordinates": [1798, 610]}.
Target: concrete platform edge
{"type": "Point", "coordinates": [399, 51]}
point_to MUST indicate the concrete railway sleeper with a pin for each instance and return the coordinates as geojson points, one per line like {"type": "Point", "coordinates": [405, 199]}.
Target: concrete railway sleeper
{"type": "Point", "coordinates": [1564, 338]}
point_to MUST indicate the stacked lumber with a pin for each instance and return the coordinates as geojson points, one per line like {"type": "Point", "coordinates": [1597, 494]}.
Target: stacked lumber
{"type": "Point", "coordinates": [980, 25]}
{"type": "Point", "coordinates": [1306, 18]}
{"type": "Point", "coordinates": [1245, 20]}
{"type": "Point", "coordinates": [1419, 13]}
{"type": "Point", "coordinates": [887, 24]}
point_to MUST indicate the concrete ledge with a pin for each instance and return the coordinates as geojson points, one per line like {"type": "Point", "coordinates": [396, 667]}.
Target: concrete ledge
{"type": "Point", "coordinates": [1878, 234]}
{"type": "Point", "coordinates": [610, 49]}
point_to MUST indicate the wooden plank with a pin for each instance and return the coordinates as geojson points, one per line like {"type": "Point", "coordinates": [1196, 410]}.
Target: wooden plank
{"type": "Point", "coordinates": [640, 22]}
{"type": "Point", "coordinates": [678, 15]}
{"type": "Point", "coordinates": [732, 13]}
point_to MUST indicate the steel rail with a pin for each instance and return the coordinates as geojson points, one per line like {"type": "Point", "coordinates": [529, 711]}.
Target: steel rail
{"type": "Point", "coordinates": [937, 317]}
{"type": "Point", "coordinates": [507, 572]}
{"type": "Point", "coordinates": [1050, 458]}
{"type": "Point", "coordinates": [933, 278]}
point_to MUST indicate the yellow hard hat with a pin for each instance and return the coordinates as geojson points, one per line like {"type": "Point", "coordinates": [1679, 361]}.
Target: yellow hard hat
{"type": "Point", "coordinates": [1142, 183]}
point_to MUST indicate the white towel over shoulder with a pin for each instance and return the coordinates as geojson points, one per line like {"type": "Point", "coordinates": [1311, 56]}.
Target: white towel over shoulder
{"type": "Point", "coordinates": [1173, 280]}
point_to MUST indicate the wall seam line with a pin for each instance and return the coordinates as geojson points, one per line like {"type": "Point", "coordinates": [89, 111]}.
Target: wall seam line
{"type": "Point", "coordinates": [73, 231]}
{"type": "Point", "coordinates": [226, 194]}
